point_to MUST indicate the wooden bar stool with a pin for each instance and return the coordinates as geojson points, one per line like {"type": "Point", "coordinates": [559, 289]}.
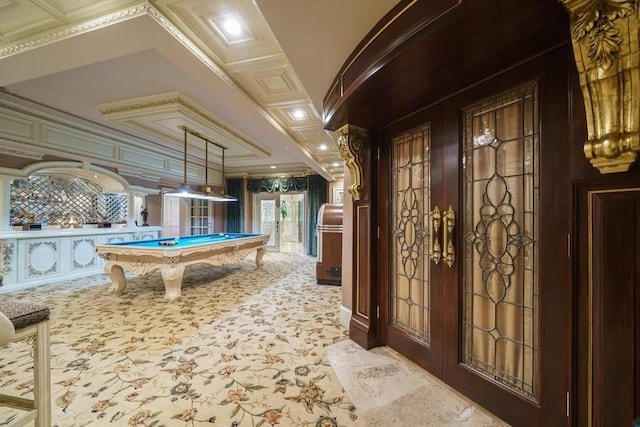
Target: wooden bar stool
{"type": "Point", "coordinates": [25, 321]}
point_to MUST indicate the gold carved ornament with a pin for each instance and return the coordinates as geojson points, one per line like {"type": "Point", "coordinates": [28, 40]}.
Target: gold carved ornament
{"type": "Point", "coordinates": [607, 53]}
{"type": "Point", "coordinates": [351, 141]}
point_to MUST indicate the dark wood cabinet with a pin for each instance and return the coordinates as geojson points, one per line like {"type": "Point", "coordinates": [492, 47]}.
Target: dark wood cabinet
{"type": "Point", "coordinates": [329, 265]}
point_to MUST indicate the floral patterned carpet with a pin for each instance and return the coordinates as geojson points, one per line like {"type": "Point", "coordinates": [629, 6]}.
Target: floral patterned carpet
{"type": "Point", "coordinates": [243, 346]}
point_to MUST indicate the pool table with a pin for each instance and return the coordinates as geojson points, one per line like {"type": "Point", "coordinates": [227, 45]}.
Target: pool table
{"type": "Point", "coordinates": [171, 255]}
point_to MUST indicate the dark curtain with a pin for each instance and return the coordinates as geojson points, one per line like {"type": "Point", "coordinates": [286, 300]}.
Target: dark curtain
{"type": "Point", "coordinates": [235, 210]}
{"type": "Point", "coordinates": [316, 196]}
{"type": "Point", "coordinates": [271, 185]}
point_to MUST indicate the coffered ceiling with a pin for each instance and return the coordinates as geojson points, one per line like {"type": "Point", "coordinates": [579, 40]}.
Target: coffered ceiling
{"type": "Point", "coordinates": [249, 74]}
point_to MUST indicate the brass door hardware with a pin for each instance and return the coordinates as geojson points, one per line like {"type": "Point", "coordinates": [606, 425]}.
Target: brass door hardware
{"type": "Point", "coordinates": [436, 249]}
{"type": "Point", "coordinates": [448, 221]}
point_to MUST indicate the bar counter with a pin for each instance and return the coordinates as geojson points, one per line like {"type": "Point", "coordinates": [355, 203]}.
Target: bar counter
{"type": "Point", "coordinates": [36, 257]}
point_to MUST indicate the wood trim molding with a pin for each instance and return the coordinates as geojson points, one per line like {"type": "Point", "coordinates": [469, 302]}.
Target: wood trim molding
{"type": "Point", "coordinates": [355, 150]}
{"type": "Point", "coordinates": [611, 252]}
{"type": "Point", "coordinates": [607, 53]}
{"type": "Point", "coordinates": [363, 326]}
{"type": "Point", "coordinates": [379, 47]}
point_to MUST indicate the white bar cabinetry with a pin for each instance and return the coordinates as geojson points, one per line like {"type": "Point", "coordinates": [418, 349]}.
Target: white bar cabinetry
{"type": "Point", "coordinates": [30, 258]}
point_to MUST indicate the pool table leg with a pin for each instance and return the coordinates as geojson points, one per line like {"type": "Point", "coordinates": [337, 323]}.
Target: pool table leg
{"type": "Point", "coordinates": [172, 277]}
{"type": "Point", "coordinates": [259, 254]}
{"type": "Point", "coordinates": [118, 279]}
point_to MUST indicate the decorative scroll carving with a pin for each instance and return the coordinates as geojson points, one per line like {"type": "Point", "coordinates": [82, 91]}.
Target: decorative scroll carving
{"type": "Point", "coordinates": [6, 249]}
{"type": "Point", "coordinates": [351, 141]}
{"type": "Point", "coordinates": [144, 236]}
{"type": "Point", "coordinates": [25, 153]}
{"type": "Point", "coordinates": [82, 28]}
{"type": "Point", "coordinates": [607, 53]}
{"type": "Point", "coordinates": [83, 258]}
{"type": "Point", "coordinates": [36, 251]}
{"type": "Point", "coordinates": [139, 268]}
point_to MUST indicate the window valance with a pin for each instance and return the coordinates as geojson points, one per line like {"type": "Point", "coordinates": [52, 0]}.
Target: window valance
{"type": "Point", "coordinates": [271, 185]}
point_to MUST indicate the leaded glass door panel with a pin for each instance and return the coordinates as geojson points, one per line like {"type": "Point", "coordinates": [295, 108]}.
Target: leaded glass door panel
{"type": "Point", "coordinates": [410, 293]}
{"type": "Point", "coordinates": [500, 319]}
{"type": "Point", "coordinates": [412, 318]}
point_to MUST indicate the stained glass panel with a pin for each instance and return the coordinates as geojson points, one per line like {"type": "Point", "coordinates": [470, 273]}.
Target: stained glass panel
{"type": "Point", "coordinates": [410, 288]}
{"type": "Point", "coordinates": [500, 275]}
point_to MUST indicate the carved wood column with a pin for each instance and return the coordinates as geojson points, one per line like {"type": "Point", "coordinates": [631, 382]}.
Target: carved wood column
{"type": "Point", "coordinates": [356, 152]}
{"type": "Point", "coordinates": [607, 53]}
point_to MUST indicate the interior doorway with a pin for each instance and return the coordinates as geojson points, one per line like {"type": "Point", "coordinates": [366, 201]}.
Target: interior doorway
{"type": "Point", "coordinates": [171, 216]}
{"type": "Point", "coordinates": [282, 217]}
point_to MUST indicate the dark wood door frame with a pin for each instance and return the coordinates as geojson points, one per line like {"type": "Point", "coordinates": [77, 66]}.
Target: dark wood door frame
{"type": "Point", "coordinates": [607, 333]}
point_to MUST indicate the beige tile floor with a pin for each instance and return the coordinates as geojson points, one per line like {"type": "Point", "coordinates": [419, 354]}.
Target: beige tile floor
{"type": "Point", "coordinates": [389, 390]}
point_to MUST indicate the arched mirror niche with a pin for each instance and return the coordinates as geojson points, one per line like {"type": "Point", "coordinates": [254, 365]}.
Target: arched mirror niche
{"type": "Point", "coordinates": [61, 196]}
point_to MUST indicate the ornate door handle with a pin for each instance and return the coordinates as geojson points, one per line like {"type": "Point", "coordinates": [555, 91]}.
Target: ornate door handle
{"type": "Point", "coordinates": [449, 222]}
{"type": "Point", "coordinates": [436, 251]}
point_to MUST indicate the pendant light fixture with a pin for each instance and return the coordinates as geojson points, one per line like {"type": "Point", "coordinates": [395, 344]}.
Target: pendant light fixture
{"type": "Point", "coordinates": [185, 190]}
{"type": "Point", "coordinates": [222, 196]}
{"type": "Point", "coordinates": [207, 192]}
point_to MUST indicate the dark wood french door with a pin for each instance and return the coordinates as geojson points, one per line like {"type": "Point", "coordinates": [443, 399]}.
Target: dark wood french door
{"type": "Point", "coordinates": [475, 215]}
{"type": "Point", "coordinates": [412, 306]}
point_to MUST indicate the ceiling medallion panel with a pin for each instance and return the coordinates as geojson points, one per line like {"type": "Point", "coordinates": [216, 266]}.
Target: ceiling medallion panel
{"type": "Point", "coordinates": [316, 134]}
{"type": "Point", "coordinates": [19, 19]}
{"type": "Point", "coordinates": [162, 114]}
{"type": "Point", "coordinates": [275, 84]}
{"type": "Point", "coordinates": [271, 80]}
{"type": "Point", "coordinates": [62, 32]}
{"type": "Point", "coordinates": [233, 31]}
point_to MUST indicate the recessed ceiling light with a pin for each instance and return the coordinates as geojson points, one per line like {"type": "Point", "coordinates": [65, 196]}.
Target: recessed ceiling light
{"type": "Point", "coordinates": [322, 147]}
{"type": "Point", "coordinates": [232, 27]}
{"type": "Point", "coordinates": [272, 167]}
{"type": "Point", "coordinates": [335, 164]}
{"type": "Point", "coordinates": [299, 114]}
